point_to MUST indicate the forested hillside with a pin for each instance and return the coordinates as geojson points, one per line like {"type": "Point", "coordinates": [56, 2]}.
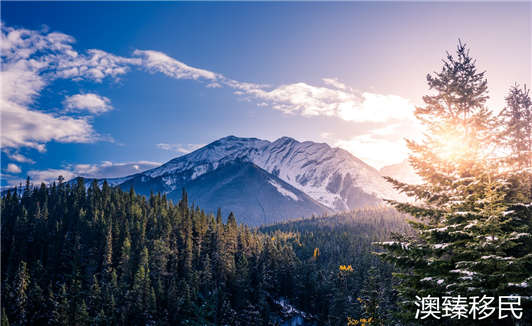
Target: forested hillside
{"type": "Point", "coordinates": [100, 256]}
{"type": "Point", "coordinates": [340, 279]}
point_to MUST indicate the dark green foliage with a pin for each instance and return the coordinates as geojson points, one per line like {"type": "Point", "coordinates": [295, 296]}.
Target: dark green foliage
{"type": "Point", "coordinates": [473, 212]}
{"type": "Point", "coordinates": [104, 256]}
{"type": "Point", "coordinates": [73, 255]}
{"type": "Point", "coordinates": [5, 321]}
{"type": "Point", "coordinates": [326, 291]}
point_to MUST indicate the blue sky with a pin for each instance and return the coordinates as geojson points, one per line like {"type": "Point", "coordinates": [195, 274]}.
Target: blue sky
{"type": "Point", "coordinates": [107, 89]}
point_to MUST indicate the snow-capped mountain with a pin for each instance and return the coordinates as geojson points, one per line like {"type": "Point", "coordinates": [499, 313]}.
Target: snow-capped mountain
{"type": "Point", "coordinates": [332, 176]}
{"type": "Point", "coordinates": [313, 177]}
{"type": "Point", "coordinates": [254, 195]}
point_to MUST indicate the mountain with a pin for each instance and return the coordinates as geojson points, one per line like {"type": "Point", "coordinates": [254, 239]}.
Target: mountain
{"type": "Point", "coordinates": [241, 187]}
{"type": "Point", "coordinates": [403, 172]}
{"type": "Point", "coordinates": [332, 176]}
{"type": "Point", "coordinates": [263, 181]}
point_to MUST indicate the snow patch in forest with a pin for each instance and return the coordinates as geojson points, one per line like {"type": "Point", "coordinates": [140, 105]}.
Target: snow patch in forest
{"type": "Point", "coordinates": [519, 285]}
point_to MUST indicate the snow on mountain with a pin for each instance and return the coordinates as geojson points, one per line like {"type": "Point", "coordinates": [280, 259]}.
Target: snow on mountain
{"type": "Point", "coordinates": [331, 176]}
{"type": "Point", "coordinates": [210, 156]}
{"type": "Point", "coordinates": [283, 191]}
{"type": "Point", "coordinates": [254, 195]}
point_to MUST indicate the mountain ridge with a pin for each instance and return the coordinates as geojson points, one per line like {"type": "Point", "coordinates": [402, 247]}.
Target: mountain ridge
{"type": "Point", "coordinates": [330, 179]}
{"type": "Point", "coordinates": [297, 163]}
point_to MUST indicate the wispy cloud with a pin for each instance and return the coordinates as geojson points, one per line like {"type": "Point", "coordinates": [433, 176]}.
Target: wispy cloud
{"type": "Point", "coordinates": [308, 100]}
{"type": "Point", "coordinates": [48, 176]}
{"type": "Point", "coordinates": [17, 157]}
{"type": "Point", "coordinates": [22, 127]}
{"type": "Point", "coordinates": [94, 65]}
{"type": "Point", "coordinates": [32, 59]}
{"type": "Point", "coordinates": [109, 169]}
{"type": "Point", "coordinates": [180, 148]}
{"type": "Point", "coordinates": [90, 102]}
{"type": "Point", "coordinates": [102, 170]}
{"type": "Point", "coordinates": [159, 62]}
{"type": "Point", "coordinates": [334, 82]}
{"type": "Point", "coordinates": [334, 98]}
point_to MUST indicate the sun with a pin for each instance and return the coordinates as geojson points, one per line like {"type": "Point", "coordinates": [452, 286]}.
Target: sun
{"type": "Point", "coordinates": [454, 145]}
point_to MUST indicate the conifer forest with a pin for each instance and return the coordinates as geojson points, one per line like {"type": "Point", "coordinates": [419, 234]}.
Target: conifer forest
{"type": "Point", "coordinates": [455, 250]}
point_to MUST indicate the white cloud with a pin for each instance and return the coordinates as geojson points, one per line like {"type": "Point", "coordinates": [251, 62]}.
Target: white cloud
{"type": "Point", "coordinates": [337, 99]}
{"type": "Point", "coordinates": [325, 135]}
{"type": "Point", "coordinates": [109, 169]}
{"type": "Point", "coordinates": [17, 157]}
{"type": "Point", "coordinates": [180, 148]}
{"type": "Point", "coordinates": [30, 61]}
{"type": "Point", "coordinates": [334, 83]}
{"type": "Point", "coordinates": [213, 85]}
{"type": "Point", "coordinates": [160, 62]}
{"type": "Point", "coordinates": [13, 168]}
{"type": "Point", "coordinates": [22, 127]}
{"type": "Point", "coordinates": [47, 176]}
{"type": "Point", "coordinates": [93, 103]}
{"type": "Point", "coordinates": [105, 169]}
{"type": "Point", "coordinates": [308, 100]}
{"type": "Point", "coordinates": [95, 65]}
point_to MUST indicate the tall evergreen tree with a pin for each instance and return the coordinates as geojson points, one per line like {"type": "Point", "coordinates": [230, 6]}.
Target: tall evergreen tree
{"type": "Point", "coordinates": [516, 122]}
{"type": "Point", "coordinates": [20, 294]}
{"type": "Point", "coordinates": [471, 239]}
{"type": "Point", "coordinates": [5, 321]}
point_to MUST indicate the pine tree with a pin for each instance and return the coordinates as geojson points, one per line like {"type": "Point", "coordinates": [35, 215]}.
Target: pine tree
{"type": "Point", "coordinates": [107, 264]}
{"type": "Point", "coordinates": [142, 294]}
{"type": "Point", "coordinates": [5, 321]}
{"type": "Point", "coordinates": [95, 300]}
{"type": "Point", "coordinates": [20, 294]}
{"type": "Point", "coordinates": [219, 216]}
{"type": "Point", "coordinates": [61, 311]}
{"type": "Point", "coordinates": [516, 137]}
{"type": "Point", "coordinates": [469, 241]}
{"type": "Point", "coordinates": [174, 263]}
{"type": "Point", "coordinates": [231, 221]}
{"type": "Point", "coordinates": [124, 268]}
{"type": "Point", "coordinates": [371, 297]}
{"type": "Point", "coordinates": [516, 121]}
{"type": "Point", "coordinates": [240, 282]}
{"type": "Point", "coordinates": [36, 309]}
{"type": "Point", "coordinates": [81, 316]}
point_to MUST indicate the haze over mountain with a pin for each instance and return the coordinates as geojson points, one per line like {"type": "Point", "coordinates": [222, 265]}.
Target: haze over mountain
{"type": "Point", "coordinates": [263, 181]}
{"type": "Point", "coordinates": [401, 171]}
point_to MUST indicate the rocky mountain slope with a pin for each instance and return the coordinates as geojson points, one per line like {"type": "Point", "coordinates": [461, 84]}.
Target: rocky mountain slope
{"type": "Point", "coordinates": [263, 181]}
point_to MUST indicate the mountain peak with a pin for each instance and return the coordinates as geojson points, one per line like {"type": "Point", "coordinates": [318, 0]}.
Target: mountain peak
{"type": "Point", "coordinates": [331, 176]}
{"type": "Point", "coordinates": [286, 139]}
{"type": "Point", "coordinates": [233, 139]}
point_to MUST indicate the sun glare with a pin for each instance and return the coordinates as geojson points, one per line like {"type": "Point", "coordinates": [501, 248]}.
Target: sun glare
{"type": "Point", "coordinates": [453, 146]}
